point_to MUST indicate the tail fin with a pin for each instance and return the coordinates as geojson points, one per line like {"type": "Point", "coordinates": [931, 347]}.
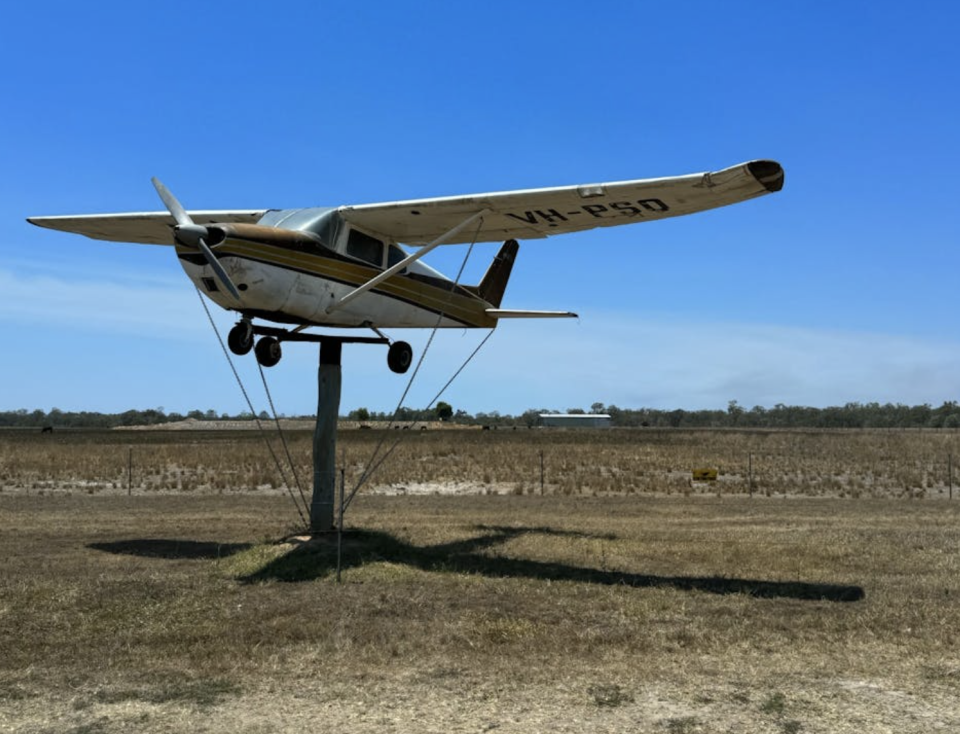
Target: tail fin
{"type": "Point", "coordinates": [494, 281]}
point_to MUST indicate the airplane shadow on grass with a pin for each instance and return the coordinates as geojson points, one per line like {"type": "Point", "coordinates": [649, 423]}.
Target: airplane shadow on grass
{"type": "Point", "coordinates": [318, 559]}
{"type": "Point", "coordinates": [170, 548]}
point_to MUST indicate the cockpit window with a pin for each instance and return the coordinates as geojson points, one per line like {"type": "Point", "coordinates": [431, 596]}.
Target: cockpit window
{"type": "Point", "coordinates": [394, 255]}
{"type": "Point", "coordinates": [365, 247]}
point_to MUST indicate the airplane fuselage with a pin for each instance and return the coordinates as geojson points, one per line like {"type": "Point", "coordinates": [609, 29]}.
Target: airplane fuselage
{"type": "Point", "coordinates": [291, 276]}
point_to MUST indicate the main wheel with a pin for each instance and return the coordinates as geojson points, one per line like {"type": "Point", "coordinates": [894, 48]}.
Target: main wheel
{"type": "Point", "coordinates": [240, 338]}
{"type": "Point", "coordinates": [399, 357]}
{"type": "Point", "coordinates": [268, 351]}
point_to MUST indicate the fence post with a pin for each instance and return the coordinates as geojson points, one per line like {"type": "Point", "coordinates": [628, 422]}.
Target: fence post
{"type": "Point", "coordinates": [129, 471]}
{"type": "Point", "coordinates": [950, 473]}
{"type": "Point", "coordinates": [541, 472]}
{"type": "Point", "coordinates": [750, 474]}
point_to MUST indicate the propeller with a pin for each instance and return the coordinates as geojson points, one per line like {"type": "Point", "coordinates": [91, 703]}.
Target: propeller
{"type": "Point", "coordinates": [193, 235]}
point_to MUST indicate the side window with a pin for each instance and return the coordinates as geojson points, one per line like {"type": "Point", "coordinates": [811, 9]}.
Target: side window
{"type": "Point", "coordinates": [395, 255]}
{"type": "Point", "coordinates": [365, 247]}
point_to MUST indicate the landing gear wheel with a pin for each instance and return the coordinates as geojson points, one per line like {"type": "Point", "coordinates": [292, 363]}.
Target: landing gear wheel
{"type": "Point", "coordinates": [268, 351]}
{"type": "Point", "coordinates": [240, 338]}
{"type": "Point", "coordinates": [399, 357]}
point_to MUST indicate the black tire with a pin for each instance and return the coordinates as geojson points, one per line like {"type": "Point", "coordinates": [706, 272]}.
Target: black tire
{"type": "Point", "coordinates": [240, 338]}
{"type": "Point", "coordinates": [268, 351]}
{"type": "Point", "coordinates": [399, 357]}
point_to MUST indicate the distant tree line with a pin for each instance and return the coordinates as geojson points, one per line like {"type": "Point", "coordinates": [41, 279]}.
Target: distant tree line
{"type": "Point", "coordinates": [851, 415]}
{"type": "Point", "coordinates": [88, 419]}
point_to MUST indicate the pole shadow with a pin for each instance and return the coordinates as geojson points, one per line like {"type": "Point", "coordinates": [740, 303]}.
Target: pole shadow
{"type": "Point", "coordinates": [170, 548]}
{"type": "Point", "coordinates": [318, 559]}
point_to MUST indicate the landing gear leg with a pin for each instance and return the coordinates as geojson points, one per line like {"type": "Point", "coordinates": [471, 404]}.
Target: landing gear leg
{"type": "Point", "coordinates": [399, 355]}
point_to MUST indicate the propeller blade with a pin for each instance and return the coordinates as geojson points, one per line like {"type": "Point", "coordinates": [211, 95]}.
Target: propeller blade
{"type": "Point", "coordinates": [170, 201]}
{"type": "Point", "coordinates": [218, 269]}
{"type": "Point", "coordinates": [192, 235]}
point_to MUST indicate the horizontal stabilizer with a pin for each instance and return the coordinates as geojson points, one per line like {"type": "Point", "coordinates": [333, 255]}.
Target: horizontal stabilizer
{"type": "Point", "coordinates": [509, 313]}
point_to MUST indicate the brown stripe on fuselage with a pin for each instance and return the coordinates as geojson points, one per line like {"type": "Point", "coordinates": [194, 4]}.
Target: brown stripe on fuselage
{"type": "Point", "coordinates": [418, 294]}
{"type": "Point", "coordinates": [304, 254]}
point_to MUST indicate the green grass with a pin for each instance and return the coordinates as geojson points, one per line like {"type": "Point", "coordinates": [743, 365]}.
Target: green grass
{"type": "Point", "coordinates": [774, 705]}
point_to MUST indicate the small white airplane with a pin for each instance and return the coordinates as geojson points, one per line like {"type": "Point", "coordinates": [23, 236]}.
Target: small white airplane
{"type": "Point", "coordinates": [345, 267]}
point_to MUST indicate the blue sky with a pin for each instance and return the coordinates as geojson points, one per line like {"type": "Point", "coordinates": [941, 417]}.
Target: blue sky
{"type": "Point", "coordinates": [839, 288]}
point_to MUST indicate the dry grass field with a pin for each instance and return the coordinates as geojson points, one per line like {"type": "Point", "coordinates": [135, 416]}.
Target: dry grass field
{"type": "Point", "coordinates": [601, 606]}
{"type": "Point", "coordinates": [576, 462]}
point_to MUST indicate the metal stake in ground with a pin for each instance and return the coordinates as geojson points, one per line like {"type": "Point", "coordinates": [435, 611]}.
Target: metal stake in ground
{"type": "Point", "coordinates": [325, 436]}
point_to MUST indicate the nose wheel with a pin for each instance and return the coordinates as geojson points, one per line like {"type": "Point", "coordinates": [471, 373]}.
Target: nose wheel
{"type": "Point", "coordinates": [240, 338]}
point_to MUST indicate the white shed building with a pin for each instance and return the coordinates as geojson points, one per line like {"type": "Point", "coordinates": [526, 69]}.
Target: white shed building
{"type": "Point", "coordinates": [575, 420]}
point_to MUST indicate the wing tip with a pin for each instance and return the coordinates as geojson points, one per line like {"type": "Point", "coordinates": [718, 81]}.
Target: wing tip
{"type": "Point", "coordinates": [38, 221]}
{"type": "Point", "coordinates": [768, 174]}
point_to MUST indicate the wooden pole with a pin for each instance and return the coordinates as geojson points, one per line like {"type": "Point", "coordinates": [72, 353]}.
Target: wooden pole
{"type": "Point", "coordinates": [750, 474]}
{"type": "Point", "coordinates": [325, 437]}
{"type": "Point", "coordinates": [129, 471]}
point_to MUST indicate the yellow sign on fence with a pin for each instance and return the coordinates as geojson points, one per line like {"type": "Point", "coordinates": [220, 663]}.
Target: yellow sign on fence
{"type": "Point", "coordinates": [704, 475]}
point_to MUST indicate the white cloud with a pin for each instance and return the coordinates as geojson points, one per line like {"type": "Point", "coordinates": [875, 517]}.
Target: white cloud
{"type": "Point", "coordinates": [137, 305]}
{"type": "Point", "coordinates": [633, 361]}
{"type": "Point", "coordinates": [627, 359]}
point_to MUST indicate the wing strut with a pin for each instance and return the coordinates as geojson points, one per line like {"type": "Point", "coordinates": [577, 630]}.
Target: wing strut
{"type": "Point", "coordinates": [394, 269]}
{"type": "Point", "coordinates": [509, 313]}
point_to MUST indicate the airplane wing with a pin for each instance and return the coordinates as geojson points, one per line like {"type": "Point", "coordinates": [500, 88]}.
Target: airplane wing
{"type": "Point", "coordinates": [523, 214]}
{"type": "Point", "coordinates": [536, 213]}
{"type": "Point", "coordinates": [148, 228]}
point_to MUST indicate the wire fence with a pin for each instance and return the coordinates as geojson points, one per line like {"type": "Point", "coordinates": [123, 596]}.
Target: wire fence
{"type": "Point", "coordinates": [550, 462]}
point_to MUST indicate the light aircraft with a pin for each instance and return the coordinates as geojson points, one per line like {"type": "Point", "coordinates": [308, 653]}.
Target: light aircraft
{"type": "Point", "coordinates": [345, 266]}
